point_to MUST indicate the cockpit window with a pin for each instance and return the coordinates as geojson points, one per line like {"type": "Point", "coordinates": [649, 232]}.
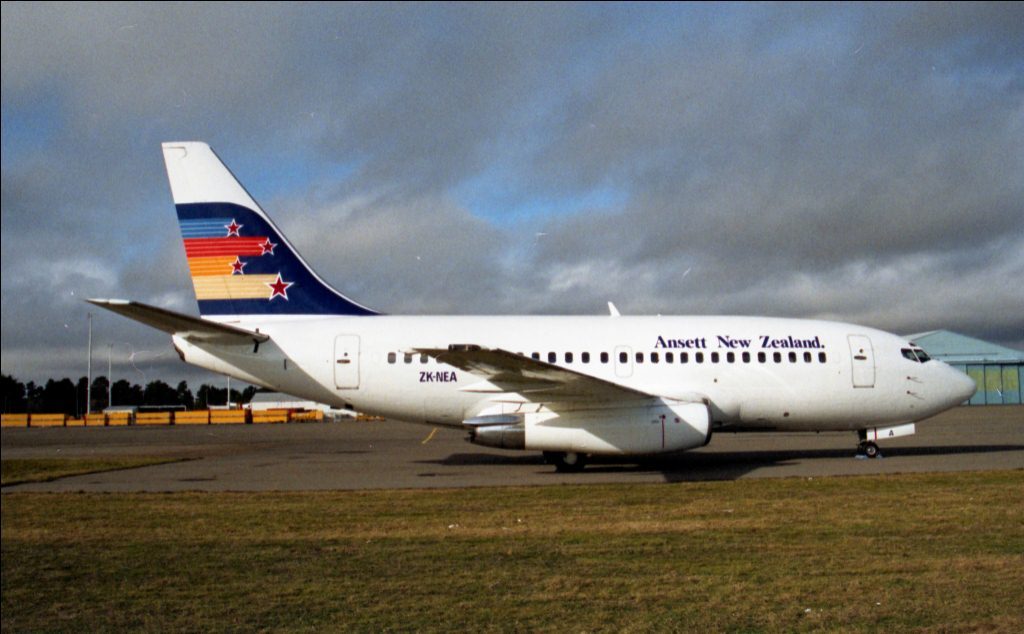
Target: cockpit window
{"type": "Point", "coordinates": [916, 355]}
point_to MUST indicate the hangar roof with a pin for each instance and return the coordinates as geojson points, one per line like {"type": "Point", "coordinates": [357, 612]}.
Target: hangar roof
{"type": "Point", "coordinates": [952, 347]}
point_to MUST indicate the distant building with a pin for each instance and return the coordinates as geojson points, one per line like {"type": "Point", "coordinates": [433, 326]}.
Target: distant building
{"type": "Point", "coordinates": [278, 400]}
{"type": "Point", "coordinates": [998, 371]}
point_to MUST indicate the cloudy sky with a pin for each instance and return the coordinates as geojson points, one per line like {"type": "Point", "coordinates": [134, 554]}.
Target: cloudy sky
{"type": "Point", "coordinates": [853, 162]}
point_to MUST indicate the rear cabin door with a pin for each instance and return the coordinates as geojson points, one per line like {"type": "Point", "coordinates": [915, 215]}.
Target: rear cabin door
{"type": "Point", "coordinates": [862, 359]}
{"type": "Point", "coordinates": [346, 362]}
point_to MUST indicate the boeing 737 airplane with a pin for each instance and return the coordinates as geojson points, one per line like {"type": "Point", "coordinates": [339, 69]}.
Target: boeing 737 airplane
{"type": "Point", "coordinates": [567, 386]}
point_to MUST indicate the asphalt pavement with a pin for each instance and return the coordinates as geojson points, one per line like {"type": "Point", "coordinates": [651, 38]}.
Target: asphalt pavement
{"type": "Point", "coordinates": [392, 455]}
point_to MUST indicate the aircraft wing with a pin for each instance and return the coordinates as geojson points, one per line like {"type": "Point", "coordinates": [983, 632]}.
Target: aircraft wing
{"type": "Point", "coordinates": [190, 328]}
{"type": "Point", "coordinates": [536, 380]}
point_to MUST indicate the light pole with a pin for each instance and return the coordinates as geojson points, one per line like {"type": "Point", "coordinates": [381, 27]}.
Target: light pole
{"type": "Point", "coordinates": [110, 375]}
{"type": "Point", "coordinates": [88, 381]}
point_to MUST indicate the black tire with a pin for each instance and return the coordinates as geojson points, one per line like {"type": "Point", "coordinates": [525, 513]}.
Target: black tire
{"type": "Point", "coordinates": [566, 462]}
{"type": "Point", "coordinates": [870, 450]}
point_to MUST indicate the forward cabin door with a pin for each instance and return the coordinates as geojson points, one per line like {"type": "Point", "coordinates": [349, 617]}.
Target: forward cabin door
{"type": "Point", "coordinates": [862, 358]}
{"type": "Point", "coordinates": [346, 362]}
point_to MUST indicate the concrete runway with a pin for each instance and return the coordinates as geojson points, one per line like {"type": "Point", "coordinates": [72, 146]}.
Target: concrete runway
{"type": "Point", "coordinates": [392, 455]}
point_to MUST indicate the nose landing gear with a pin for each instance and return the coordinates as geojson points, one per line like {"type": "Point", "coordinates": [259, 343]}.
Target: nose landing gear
{"type": "Point", "coordinates": [867, 448]}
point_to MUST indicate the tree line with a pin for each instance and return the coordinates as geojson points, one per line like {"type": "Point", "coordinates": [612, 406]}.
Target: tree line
{"type": "Point", "coordinates": [67, 397]}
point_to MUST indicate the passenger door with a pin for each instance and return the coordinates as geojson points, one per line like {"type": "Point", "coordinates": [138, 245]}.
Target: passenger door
{"type": "Point", "coordinates": [862, 360]}
{"type": "Point", "coordinates": [346, 362]}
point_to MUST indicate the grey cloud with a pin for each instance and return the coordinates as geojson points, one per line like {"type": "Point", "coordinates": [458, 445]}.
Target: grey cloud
{"type": "Point", "coordinates": [821, 160]}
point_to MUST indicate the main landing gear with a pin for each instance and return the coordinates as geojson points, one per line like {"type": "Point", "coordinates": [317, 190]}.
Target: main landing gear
{"type": "Point", "coordinates": [565, 462]}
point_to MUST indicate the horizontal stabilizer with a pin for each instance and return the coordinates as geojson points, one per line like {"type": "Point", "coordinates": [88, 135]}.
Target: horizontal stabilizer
{"type": "Point", "coordinates": [190, 328]}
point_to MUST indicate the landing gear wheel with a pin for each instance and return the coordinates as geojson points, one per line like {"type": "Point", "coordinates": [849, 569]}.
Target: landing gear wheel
{"type": "Point", "coordinates": [565, 462]}
{"type": "Point", "coordinates": [869, 449]}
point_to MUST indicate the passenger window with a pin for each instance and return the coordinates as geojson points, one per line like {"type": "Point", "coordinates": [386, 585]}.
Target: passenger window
{"type": "Point", "coordinates": [604, 357]}
{"type": "Point", "coordinates": [777, 357]}
{"type": "Point", "coordinates": [535, 356]}
{"type": "Point", "coordinates": [730, 357]}
{"type": "Point", "coordinates": [568, 357]}
{"type": "Point", "coordinates": [639, 357]}
{"type": "Point", "coordinates": [408, 357]}
{"type": "Point", "coordinates": [792, 357]}
{"type": "Point", "coordinates": [392, 357]}
{"type": "Point", "coordinates": [654, 357]}
{"type": "Point", "coordinates": [821, 357]}
{"type": "Point", "coordinates": [761, 357]}
{"type": "Point", "coordinates": [807, 357]}
{"type": "Point", "coordinates": [623, 358]}
{"type": "Point", "coordinates": [552, 357]}
{"type": "Point", "coordinates": [746, 357]}
{"type": "Point", "coordinates": [669, 358]}
{"type": "Point", "coordinates": [698, 357]}
{"type": "Point", "coordinates": [714, 357]}
{"type": "Point", "coordinates": [684, 357]}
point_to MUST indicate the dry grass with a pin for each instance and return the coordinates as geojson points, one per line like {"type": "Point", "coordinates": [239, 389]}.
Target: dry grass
{"type": "Point", "coordinates": [913, 552]}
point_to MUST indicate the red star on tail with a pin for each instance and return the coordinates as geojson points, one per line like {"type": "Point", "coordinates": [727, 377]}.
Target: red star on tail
{"type": "Point", "coordinates": [237, 266]}
{"type": "Point", "coordinates": [268, 247]}
{"type": "Point", "coordinates": [233, 228]}
{"type": "Point", "coordinates": [279, 287]}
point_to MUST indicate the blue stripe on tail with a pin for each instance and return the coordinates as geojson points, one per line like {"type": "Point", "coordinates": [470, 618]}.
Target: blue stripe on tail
{"type": "Point", "coordinates": [298, 290]}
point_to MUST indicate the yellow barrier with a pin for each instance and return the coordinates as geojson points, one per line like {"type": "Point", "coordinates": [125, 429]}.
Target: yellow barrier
{"type": "Point", "coordinates": [198, 417]}
{"type": "Point", "coordinates": [95, 420]}
{"type": "Point", "coordinates": [47, 420]}
{"type": "Point", "coordinates": [119, 418]}
{"type": "Point", "coordinates": [153, 418]}
{"type": "Point", "coordinates": [227, 416]}
{"type": "Point", "coordinates": [14, 420]}
{"type": "Point", "coordinates": [269, 416]}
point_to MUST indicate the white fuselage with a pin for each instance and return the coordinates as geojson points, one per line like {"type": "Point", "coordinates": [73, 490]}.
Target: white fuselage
{"type": "Point", "coordinates": [755, 373]}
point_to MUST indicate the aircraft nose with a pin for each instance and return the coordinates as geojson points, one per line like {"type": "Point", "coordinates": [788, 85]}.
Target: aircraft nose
{"type": "Point", "coordinates": [962, 386]}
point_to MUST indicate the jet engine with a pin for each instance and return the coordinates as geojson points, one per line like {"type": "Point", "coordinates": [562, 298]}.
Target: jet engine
{"type": "Point", "coordinates": [656, 426]}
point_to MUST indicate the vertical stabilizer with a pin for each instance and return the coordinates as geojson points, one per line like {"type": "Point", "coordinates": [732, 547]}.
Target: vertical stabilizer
{"type": "Point", "coordinates": [240, 262]}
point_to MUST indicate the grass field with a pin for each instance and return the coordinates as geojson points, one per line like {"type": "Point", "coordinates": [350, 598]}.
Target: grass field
{"type": "Point", "coordinates": [936, 552]}
{"type": "Point", "coordinates": [21, 470]}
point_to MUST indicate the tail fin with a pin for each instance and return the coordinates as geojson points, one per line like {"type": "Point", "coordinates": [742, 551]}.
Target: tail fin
{"type": "Point", "coordinates": [241, 263]}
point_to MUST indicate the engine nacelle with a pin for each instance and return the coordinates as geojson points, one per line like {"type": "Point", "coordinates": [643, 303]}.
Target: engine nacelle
{"type": "Point", "coordinates": [657, 426]}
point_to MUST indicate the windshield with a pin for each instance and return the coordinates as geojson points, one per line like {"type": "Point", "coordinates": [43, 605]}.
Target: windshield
{"type": "Point", "coordinates": [916, 355]}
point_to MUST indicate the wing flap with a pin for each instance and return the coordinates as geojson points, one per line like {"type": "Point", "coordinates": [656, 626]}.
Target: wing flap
{"type": "Point", "coordinates": [190, 328]}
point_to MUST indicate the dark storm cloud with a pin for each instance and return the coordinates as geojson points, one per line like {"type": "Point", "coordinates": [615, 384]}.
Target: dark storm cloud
{"type": "Point", "coordinates": [856, 162]}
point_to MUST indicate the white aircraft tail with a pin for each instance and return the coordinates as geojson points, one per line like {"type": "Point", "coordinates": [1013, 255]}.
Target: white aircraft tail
{"type": "Point", "coordinates": [240, 262]}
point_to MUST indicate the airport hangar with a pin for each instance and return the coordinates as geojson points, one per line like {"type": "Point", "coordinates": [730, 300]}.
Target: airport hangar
{"type": "Point", "coordinates": [998, 371]}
